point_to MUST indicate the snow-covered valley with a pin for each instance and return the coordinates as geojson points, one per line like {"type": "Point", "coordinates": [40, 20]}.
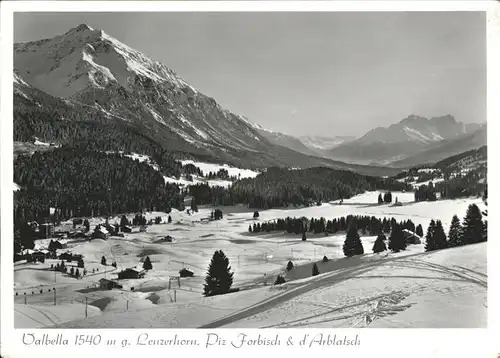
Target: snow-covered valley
{"type": "Point", "coordinates": [412, 288]}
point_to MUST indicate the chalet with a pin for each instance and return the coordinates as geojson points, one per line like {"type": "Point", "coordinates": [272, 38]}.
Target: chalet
{"type": "Point", "coordinates": [126, 229]}
{"type": "Point", "coordinates": [69, 257]}
{"type": "Point", "coordinates": [112, 229]}
{"type": "Point", "coordinates": [78, 235]}
{"type": "Point", "coordinates": [38, 256]}
{"type": "Point", "coordinates": [100, 232]}
{"type": "Point", "coordinates": [411, 238]}
{"type": "Point", "coordinates": [134, 273]}
{"type": "Point", "coordinates": [108, 284]}
{"type": "Point", "coordinates": [186, 273]}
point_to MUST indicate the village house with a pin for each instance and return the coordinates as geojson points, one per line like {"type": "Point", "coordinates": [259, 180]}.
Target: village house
{"type": "Point", "coordinates": [100, 232]}
{"type": "Point", "coordinates": [186, 273]}
{"type": "Point", "coordinates": [126, 229]}
{"type": "Point", "coordinates": [131, 273]}
{"type": "Point", "coordinates": [108, 284]}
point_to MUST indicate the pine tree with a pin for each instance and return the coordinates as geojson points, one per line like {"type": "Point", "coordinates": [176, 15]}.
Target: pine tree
{"type": "Point", "coordinates": [419, 231]}
{"type": "Point", "coordinates": [219, 277]}
{"type": "Point", "coordinates": [279, 280]}
{"type": "Point", "coordinates": [147, 264]}
{"type": "Point", "coordinates": [289, 266]}
{"type": "Point", "coordinates": [72, 271]}
{"type": "Point", "coordinates": [304, 235]}
{"type": "Point", "coordinates": [473, 226]}
{"type": "Point", "coordinates": [256, 215]}
{"type": "Point", "coordinates": [352, 244]}
{"type": "Point", "coordinates": [169, 219]}
{"type": "Point", "coordinates": [103, 261]}
{"type": "Point", "coordinates": [455, 233]}
{"type": "Point", "coordinates": [440, 236]}
{"type": "Point", "coordinates": [86, 223]}
{"type": "Point", "coordinates": [77, 273]}
{"type": "Point", "coordinates": [379, 244]}
{"type": "Point", "coordinates": [380, 200]}
{"type": "Point", "coordinates": [397, 240]}
{"type": "Point", "coordinates": [315, 270]}
{"type": "Point", "coordinates": [249, 228]}
{"type": "Point", "coordinates": [325, 259]}
{"type": "Point", "coordinates": [124, 221]}
{"type": "Point", "coordinates": [430, 243]}
{"type": "Point", "coordinates": [194, 207]}
{"type": "Point", "coordinates": [80, 263]}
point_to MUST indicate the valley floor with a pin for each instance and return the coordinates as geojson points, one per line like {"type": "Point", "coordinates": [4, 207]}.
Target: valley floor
{"type": "Point", "coordinates": [446, 288]}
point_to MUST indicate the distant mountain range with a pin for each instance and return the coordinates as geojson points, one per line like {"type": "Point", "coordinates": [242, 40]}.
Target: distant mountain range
{"type": "Point", "coordinates": [86, 78]}
{"type": "Point", "coordinates": [401, 144]}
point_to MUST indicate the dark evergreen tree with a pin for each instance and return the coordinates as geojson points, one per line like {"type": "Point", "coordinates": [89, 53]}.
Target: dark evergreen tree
{"type": "Point", "coordinates": [147, 264]}
{"type": "Point", "coordinates": [440, 236]}
{"type": "Point", "coordinates": [249, 228]}
{"type": "Point", "coordinates": [103, 261]}
{"type": "Point", "coordinates": [380, 200]}
{"type": "Point", "coordinates": [86, 223]}
{"type": "Point", "coordinates": [194, 206]}
{"type": "Point", "coordinates": [77, 273]}
{"type": "Point", "coordinates": [219, 277]}
{"type": "Point", "coordinates": [169, 219]}
{"type": "Point", "coordinates": [80, 263]}
{"type": "Point", "coordinates": [352, 244]}
{"type": "Point", "coordinates": [289, 266]}
{"type": "Point", "coordinates": [325, 259]}
{"type": "Point", "coordinates": [455, 233]}
{"type": "Point", "coordinates": [72, 271]}
{"type": "Point", "coordinates": [279, 280]}
{"type": "Point", "coordinates": [473, 226]}
{"type": "Point", "coordinates": [315, 270]}
{"type": "Point", "coordinates": [379, 244]}
{"type": "Point", "coordinates": [430, 243]}
{"type": "Point", "coordinates": [397, 240]}
{"type": "Point", "coordinates": [419, 230]}
{"type": "Point", "coordinates": [256, 215]}
{"type": "Point", "coordinates": [304, 236]}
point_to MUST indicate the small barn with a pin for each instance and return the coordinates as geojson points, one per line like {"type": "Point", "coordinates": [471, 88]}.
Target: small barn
{"type": "Point", "coordinates": [108, 284]}
{"type": "Point", "coordinates": [186, 273]}
{"type": "Point", "coordinates": [100, 232]}
{"type": "Point", "coordinates": [131, 273]}
{"type": "Point", "coordinates": [126, 229]}
{"type": "Point", "coordinates": [411, 238]}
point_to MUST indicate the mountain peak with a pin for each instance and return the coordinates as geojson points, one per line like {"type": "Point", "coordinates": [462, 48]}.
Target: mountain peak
{"type": "Point", "coordinates": [80, 28]}
{"type": "Point", "coordinates": [412, 118]}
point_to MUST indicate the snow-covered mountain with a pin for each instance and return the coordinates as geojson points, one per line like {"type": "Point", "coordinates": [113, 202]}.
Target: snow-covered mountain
{"type": "Point", "coordinates": [87, 75]}
{"type": "Point", "coordinates": [447, 148]}
{"type": "Point", "coordinates": [322, 143]}
{"type": "Point", "coordinates": [407, 138]}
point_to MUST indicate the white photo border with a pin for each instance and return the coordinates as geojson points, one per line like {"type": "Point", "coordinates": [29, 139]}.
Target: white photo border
{"type": "Point", "coordinates": [387, 342]}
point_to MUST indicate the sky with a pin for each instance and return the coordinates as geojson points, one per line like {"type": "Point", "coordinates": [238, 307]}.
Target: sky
{"type": "Point", "coordinates": [313, 73]}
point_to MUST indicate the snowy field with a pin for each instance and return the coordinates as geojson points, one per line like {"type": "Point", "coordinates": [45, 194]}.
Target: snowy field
{"type": "Point", "coordinates": [387, 290]}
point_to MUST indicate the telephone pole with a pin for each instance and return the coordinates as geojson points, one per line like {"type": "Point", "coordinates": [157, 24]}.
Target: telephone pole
{"type": "Point", "coordinates": [86, 314]}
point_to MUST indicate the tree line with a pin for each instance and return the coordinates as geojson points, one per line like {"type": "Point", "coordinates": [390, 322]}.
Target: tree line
{"type": "Point", "coordinates": [368, 225]}
{"type": "Point", "coordinates": [87, 183]}
{"type": "Point", "coordinates": [278, 187]}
